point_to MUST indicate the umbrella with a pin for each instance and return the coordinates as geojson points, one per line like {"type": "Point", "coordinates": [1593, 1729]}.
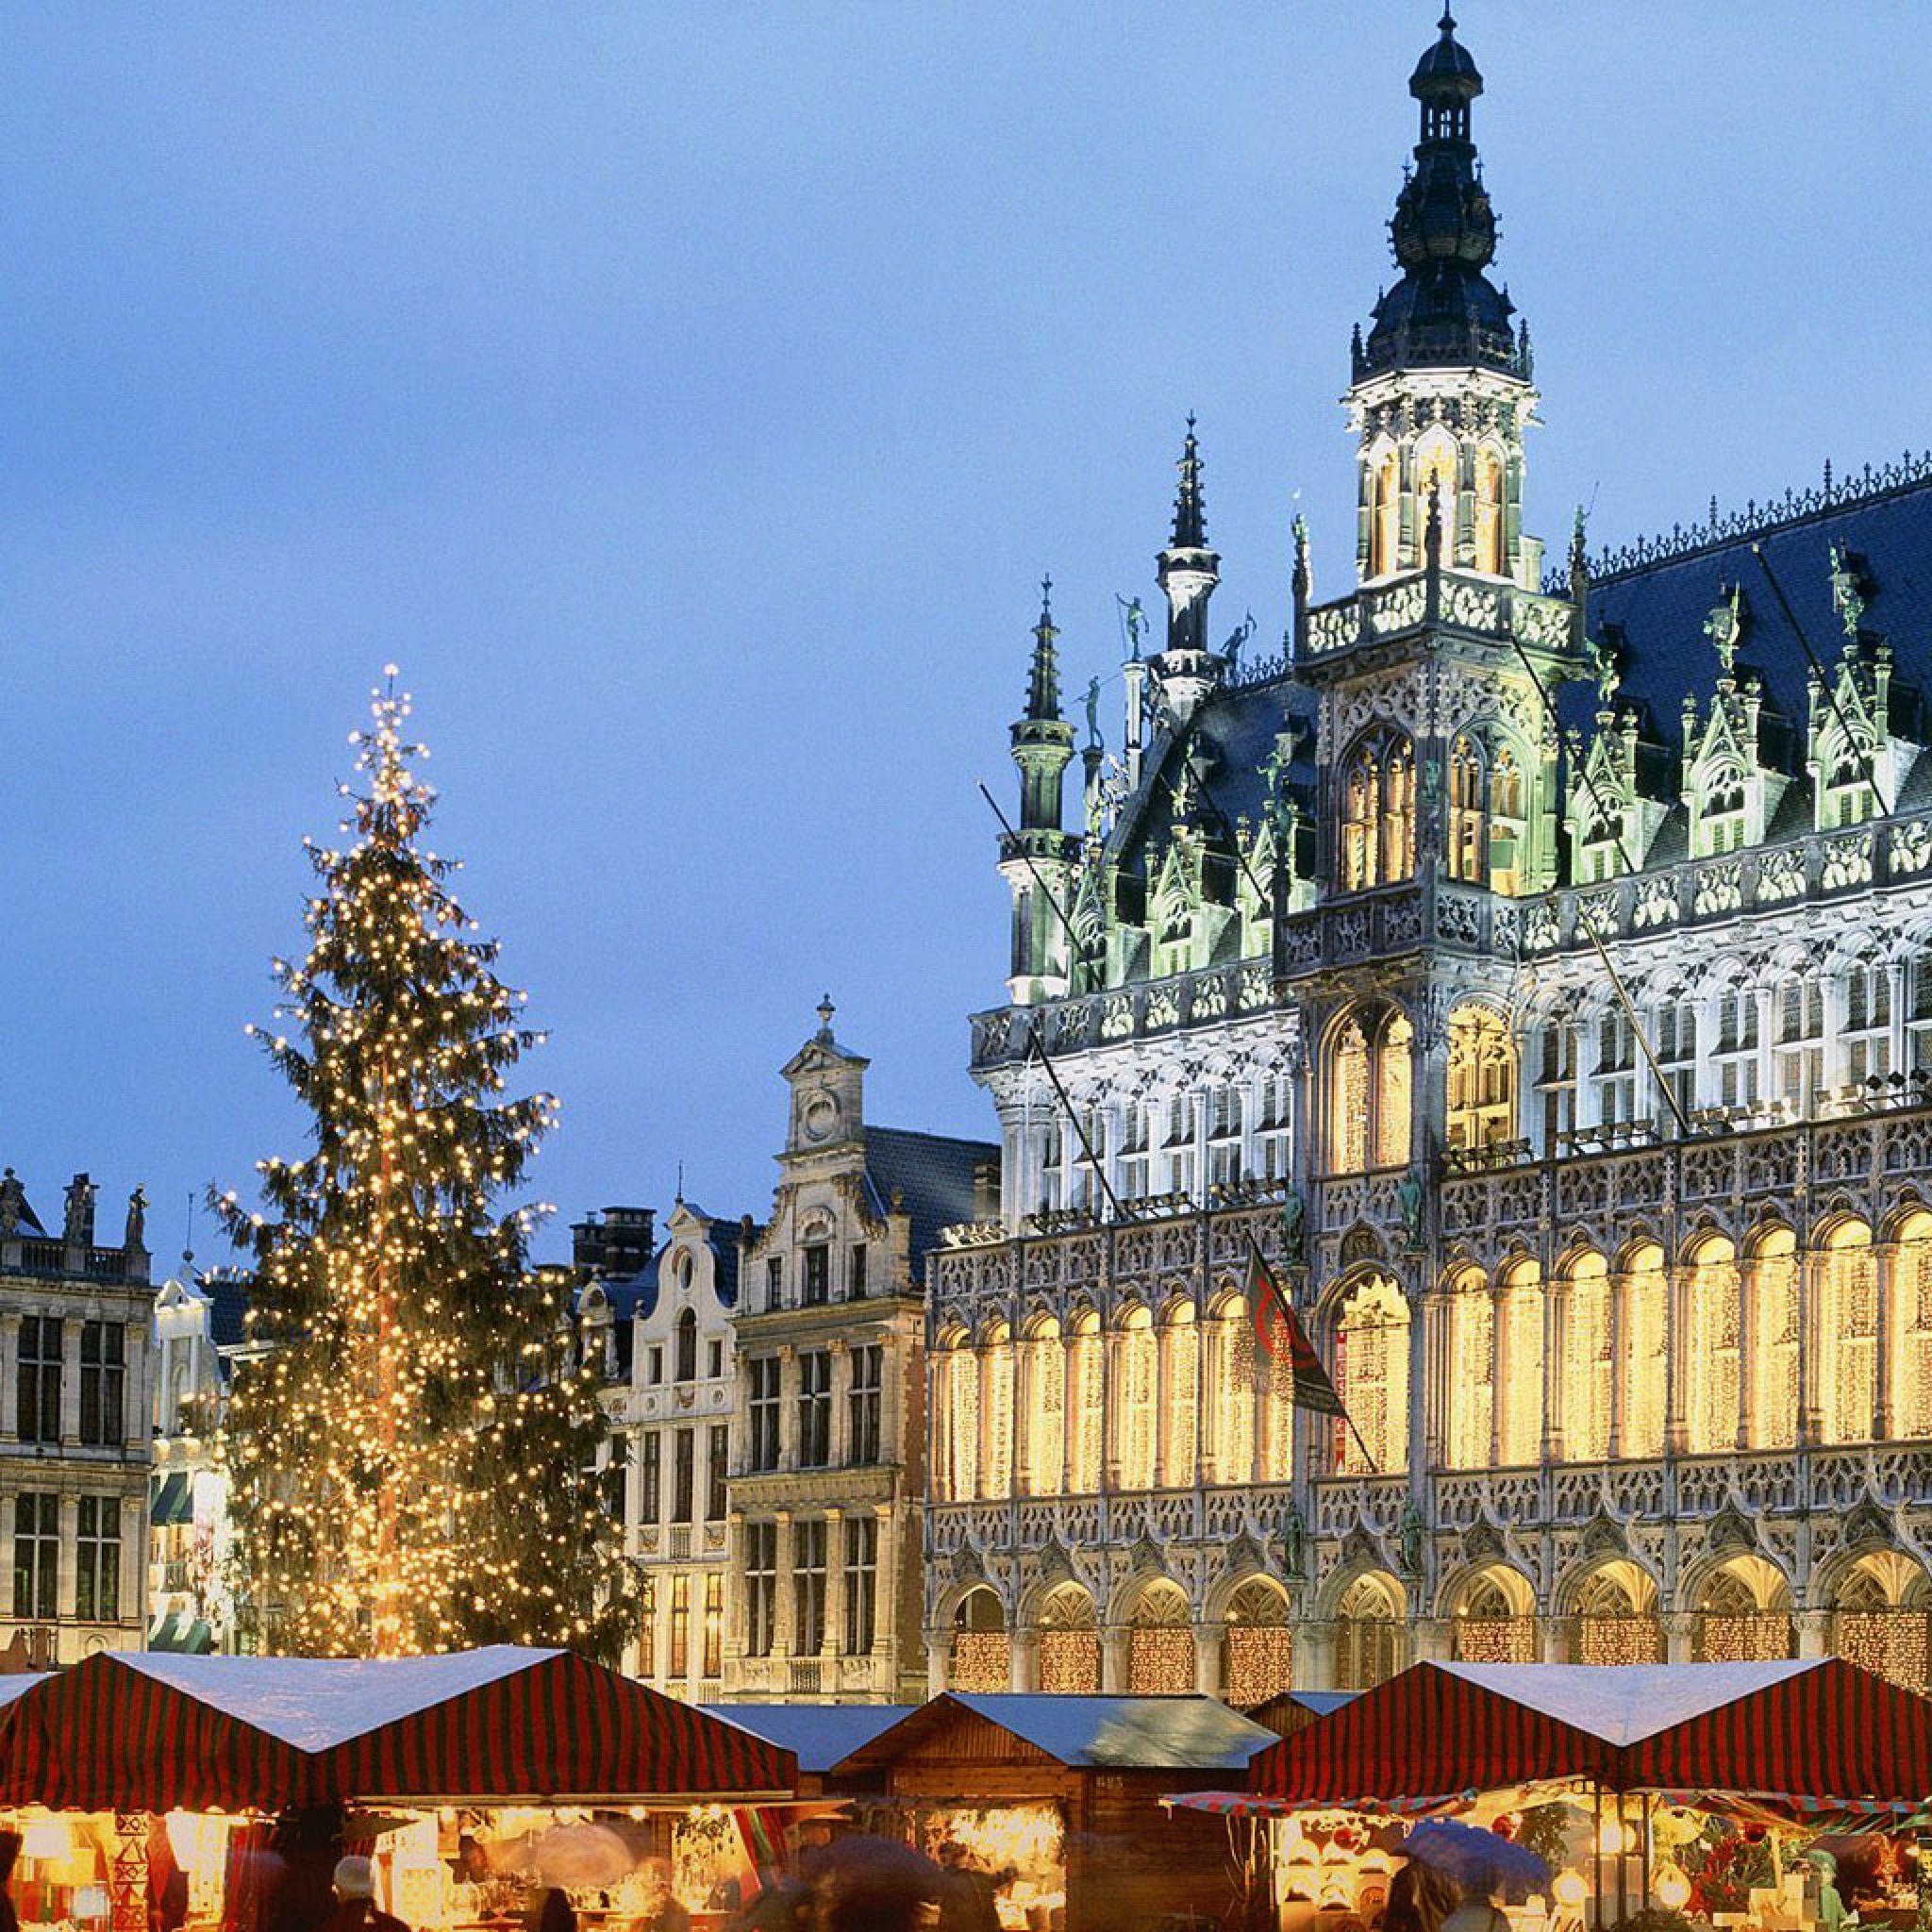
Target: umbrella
{"type": "Point", "coordinates": [861, 1872]}
{"type": "Point", "coordinates": [1476, 1858]}
{"type": "Point", "coordinates": [582, 1854]}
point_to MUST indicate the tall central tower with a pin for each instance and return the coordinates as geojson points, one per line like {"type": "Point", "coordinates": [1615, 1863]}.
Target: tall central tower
{"type": "Point", "coordinates": [1442, 392]}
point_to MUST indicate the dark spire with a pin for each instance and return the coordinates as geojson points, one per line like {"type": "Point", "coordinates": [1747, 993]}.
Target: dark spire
{"type": "Point", "coordinates": [1445, 310]}
{"type": "Point", "coordinates": [1189, 517]}
{"type": "Point", "coordinates": [1043, 689]}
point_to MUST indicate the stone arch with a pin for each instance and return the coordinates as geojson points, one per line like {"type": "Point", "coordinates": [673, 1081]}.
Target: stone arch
{"type": "Point", "coordinates": [1068, 1626]}
{"type": "Point", "coordinates": [979, 1652]}
{"type": "Point", "coordinates": [1258, 1645]}
{"type": "Point", "coordinates": [956, 1414]}
{"type": "Point", "coordinates": [1367, 1056]}
{"type": "Point", "coordinates": [1491, 1612]}
{"type": "Point", "coordinates": [1880, 1605]}
{"type": "Point", "coordinates": [1375, 809]}
{"type": "Point", "coordinates": [1613, 1606]}
{"type": "Point", "coordinates": [1741, 1605]}
{"type": "Point", "coordinates": [1366, 1318]}
{"type": "Point", "coordinates": [1159, 1639]}
{"type": "Point", "coordinates": [1846, 1374]}
{"type": "Point", "coordinates": [1367, 1628]}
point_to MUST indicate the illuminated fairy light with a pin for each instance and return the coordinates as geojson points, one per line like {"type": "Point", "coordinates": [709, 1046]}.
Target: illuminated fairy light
{"type": "Point", "coordinates": [412, 1453]}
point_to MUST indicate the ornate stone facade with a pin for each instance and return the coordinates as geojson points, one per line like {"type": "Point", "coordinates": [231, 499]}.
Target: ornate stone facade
{"type": "Point", "coordinates": [76, 1318]}
{"type": "Point", "coordinates": [1538, 974]}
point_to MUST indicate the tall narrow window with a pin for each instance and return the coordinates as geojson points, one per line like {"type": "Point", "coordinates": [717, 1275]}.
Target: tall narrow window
{"type": "Point", "coordinates": [814, 1408]}
{"type": "Point", "coordinates": [1472, 1387]}
{"type": "Point", "coordinates": [1735, 1056]}
{"type": "Point", "coordinates": [1675, 1046]}
{"type": "Point", "coordinates": [1372, 1376]}
{"type": "Point", "coordinates": [763, 1371]}
{"type": "Point", "coordinates": [868, 1378]}
{"type": "Point", "coordinates": [40, 1379]}
{"type": "Point", "coordinates": [996, 1412]}
{"type": "Point", "coordinates": [1360, 792]}
{"type": "Point", "coordinates": [1798, 1043]}
{"type": "Point", "coordinates": [1371, 1073]}
{"type": "Point", "coordinates": [650, 1481]}
{"type": "Point", "coordinates": [1086, 1398]}
{"type": "Point", "coordinates": [1436, 488]}
{"type": "Point", "coordinates": [1616, 1064]}
{"type": "Point", "coordinates": [1398, 813]}
{"type": "Point", "coordinates": [862, 1583]}
{"type": "Point", "coordinates": [717, 1469]}
{"type": "Point", "coordinates": [1848, 1332]}
{"type": "Point", "coordinates": [714, 1625]}
{"type": "Point", "coordinates": [818, 1275]}
{"type": "Point", "coordinates": [647, 1626]}
{"type": "Point", "coordinates": [683, 1447]}
{"type": "Point", "coordinates": [1709, 1360]}
{"type": "Point", "coordinates": [1489, 511]}
{"type": "Point", "coordinates": [1134, 1407]}
{"type": "Point", "coordinates": [1867, 1035]}
{"type": "Point", "coordinates": [808, 1586]}
{"type": "Point", "coordinates": [1588, 1364]}
{"type": "Point", "coordinates": [103, 1382]}
{"type": "Point", "coordinates": [855, 1280]}
{"type": "Point", "coordinates": [960, 1365]}
{"type": "Point", "coordinates": [1348, 1103]}
{"type": "Point", "coordinates": [775, 1281]}
{"type": "Point", "coordinates": [36, 1553]}
{"type": "Point", "coordinates": [1645, 1291]}
{"type": "Point", "coordinates": [1509, 825]}
{"type": "Point", "coordinates": [1469, 831]}
{"type": "Point", "coordinates": [1180, 1372]}
{"type": "Point", "coordinates": [1482, 1079]}
{"type": "Point", "coordinates": [1394, 1078]}
{"type": "Point", "coordinates": [1046, 1402]}
{"type": "Point", "coordinates": [1385, 530]}
{"type": "Point", "coordinates": [1519, 1357]}
{"type": "Point", "coordinates": [680, 1625]}
{"type": "Point", "coordinates": [760, 1588]}
{"type": "Point", "coordinates": [687, 1350]}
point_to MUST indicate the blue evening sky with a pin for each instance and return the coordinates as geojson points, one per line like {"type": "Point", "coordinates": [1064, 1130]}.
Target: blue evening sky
{"type": "Point", "coordinates": [689, 396]}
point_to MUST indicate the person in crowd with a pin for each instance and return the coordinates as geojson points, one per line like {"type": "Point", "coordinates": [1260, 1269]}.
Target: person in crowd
{"type": "Point", "coordinates": [10, 1851]}
{"type": "Point", "coordinates": [355, 1910]}
{"type": "Point", "coordinates": [969, 1903]}
{"type": "Point", "coordinates": [664, 1910]}
{"type": "Point", "coordinates": [1420, 1898]}
{"type": "Point", "coordinates": [1478, 1912]}
{"type": "Point", "coordinates": [551, 1911]}
{"type": "Point", "coordinates": [781, 1904]}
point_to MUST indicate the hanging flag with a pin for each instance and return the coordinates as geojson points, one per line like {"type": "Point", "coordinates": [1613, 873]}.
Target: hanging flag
{"type": "Point", "coordinates": [1276, 1321]}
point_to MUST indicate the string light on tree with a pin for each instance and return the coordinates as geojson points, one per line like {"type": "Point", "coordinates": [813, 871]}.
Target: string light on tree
{"type": "Point", "coordinates": [412, 1448]}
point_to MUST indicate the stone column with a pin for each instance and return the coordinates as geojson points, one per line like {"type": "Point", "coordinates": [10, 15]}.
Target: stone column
{"type": "Point", "coordinates": [788, 1406]}
{"type": "Point", "coordinates": [939, 1644]}
{"type": "Point", "coordinates": [1114, 1640]}
{"type": "Point", "coordinates": [69, 1566]}
{"type": "Point", "coordinates": [1070, 1414]}
{"type": "Point", "coordinates": [1023, 1380]}
{"type": "Point", "coordinates": [70, 1385]}
{"type": "Point", "coordinates": [1677, 1330]}
{"type": "Point", "coordinates": [1891, 1285]}
{"type": "Point", "coordinates": [1112, 1420]}
{"type": "Point", "coordinates": [9, 1377]}
{"type": "Point", "coordinates": [138, 1395]}
{"type": "Point", "coordinates": [1023, 1660]}
{"type": "Point", "coordinates": [1207, 1643]}
{"type": "Point", "coordinates": [1620, 1323]}
{"type": "Point", "coordinates": [1312, 1662]}
{"type": "Point", "coordinates": [134, 1554]}
{"type": "Point", "coordinates": [785, 1610]}
{"type": "Point", "coordinates": [1810, 1406]}
{"type": "Point", "coordinates": [896, 1526]}
{"type": "Point", "coordinates": [832, 1638]}
{"type": "Point", "coordinates": [1814, 1633]}
{"type": "Point", "coordinates": [839, 1436]}
{"type": "Point", "coordinates": [1163, 1398]}
{"type": "Point", "coordinates": [1679, 1626]}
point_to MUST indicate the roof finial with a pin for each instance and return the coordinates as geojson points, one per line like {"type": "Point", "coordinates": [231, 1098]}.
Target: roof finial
{"type": "Point", "coordinates": [1447, 23]}
{"type": "Point", "coordinates": [826, 1011]}
{"type": "Point", "coordinates": [1190, 519]}
{"type": "Point", "coordinates": [1043, 685]}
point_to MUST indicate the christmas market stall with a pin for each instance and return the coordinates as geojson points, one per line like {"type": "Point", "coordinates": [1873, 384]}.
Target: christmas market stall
{"type": "Point", "coordinates": [1057, 1801]}
{"type": "Point", "coordinates": [1736, 1791]}
{"type": "Point", "coordinates": [176, 1794]}
{"type": "Point", "coordinates": [818, 1734]}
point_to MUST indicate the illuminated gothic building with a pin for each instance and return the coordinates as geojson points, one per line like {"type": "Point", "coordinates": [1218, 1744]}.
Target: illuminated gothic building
{"type": "Point", "coordinates": [1537, 967]}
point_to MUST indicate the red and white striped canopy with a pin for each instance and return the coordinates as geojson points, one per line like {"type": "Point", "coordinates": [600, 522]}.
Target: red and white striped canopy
{"type": "Point", "coordinates": [161, 1732]}
{"type": "Point", "coordinates": [1802, 1728]}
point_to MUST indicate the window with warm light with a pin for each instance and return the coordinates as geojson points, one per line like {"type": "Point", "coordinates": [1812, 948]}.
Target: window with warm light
{"type": "Point", "coordinates": [1743, 1615]}
{"type": "Point", "coordinates": [1134, 1409]}
{"type": "Point", "coordinates": [1069, 1652]}
{"type": "Point", "coordinates": [1257, 1652]}
{"type": "Point", "coordinates": [1495, 1620]}
{"type": "Point", "coordinates": [1645, 1291]}
{"type": "Point", "coordinates": [1180, 1360]}
{"type": "Point", "coordinates": [1880, 1619]}
{"type": "Point", "coordinates": [1772, 1278]}
{"type": "Point", "coordinates": [1709, 1365]}
{"type": "Point", "coordinates": [1482, 1079]}
{"type": "Point", "coordinates": [996, 1412]}
{"type": "Point", "coordinates": [1911, 1264]}
{"type": "Point", "coordinates": [1368, 1633]}
{"type": "Point", "coordinates": [1588, 1366]}
{"type": "Point", "coordinates": [1046, 1433]}
{"type": "Point", "coordinates": [1520, 1356]}
{"type": "Point", "coordinates": [1472, 1370]}
{"type": "Point", "coordinates": [1372, 1374]}
{"type": "Point", "coordinates": [1370, 1076]}
{"type": "Point", "coordinates": [980, 1662]}
{"type": "Point", "coordinates": [1436, 465]}
{"type": "Point", "coordinates": [1385, 529]}
{"type": "Point", "coordinates": [1616, 1617]}
{"type": "Point", "coordinates": [1378, 805]}
{"type": "Point", "coordinates": [1160, 1643]}
{"type": "Point", "coordinates": [1086, 1402]}
{"type": "Point", "coordinates": [1848, 1333]}
{"type": "Point", "coordinates": [1489, 511]}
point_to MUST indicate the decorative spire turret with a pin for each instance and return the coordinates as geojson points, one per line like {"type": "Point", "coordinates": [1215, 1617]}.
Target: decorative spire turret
{"type": "Point", "coordinates": [1043, 687]}
{"type": "Point", "coordinates": [1445, 310]}
{"type": "Point", "coordinates": [1187, 669]}
{"type": "Point", "coordinates": [1189, 512]}
{"type": "Point", "coordinates": [1037, 858]}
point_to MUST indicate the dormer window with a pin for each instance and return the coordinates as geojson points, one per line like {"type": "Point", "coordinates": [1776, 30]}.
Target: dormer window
{"type": "Point", "coordinates": [1847, 797]}
{"type": "Point", "coordinates": [1601, 857]}
{"type": "Point", "coordinates": [1724, 812]}
{"type": "Point", "coordinates": [818, 1275]}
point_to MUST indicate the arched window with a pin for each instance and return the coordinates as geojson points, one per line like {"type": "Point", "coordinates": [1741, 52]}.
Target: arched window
{"type": "Point", "coordinates": [1644, 1287]}
{"type": "Point", "coordinates": [996, 1412]}
{"type": "Point", "coordinates": [686, 1351]}
{"type": "Point", "coordinates": [1468, 830]}
{"type": "Point", "coordinates": [1879, 1619]}
{"type": "Point", "coordinates": [981, 1658]}
{"type": "Point", "coordinates": [1134, 1411]}
{"type": "Point", "coordinates": [1069, 1644]}
{"type": "Point", "coordinates": [1709, 1364]}
{"type": "Point", "coordinates": [1509, 824]}
{"type": "Point", "coordinates": [1772, 1261]}
{"type": "Point", "coordinates": [1257, 1655]}
{"type": "Point", "coordinates": [958, 1406]}
{"type": "Point", "coordinates": [1368, 1633]}
{"type": "Point", "coordinates": [1496, 1619]}
{"type": "Point", "coordinates": [1379, 812]}
{"type": "Point", "coordinates": [1435, 462]}
{"type": "Point", "coordinates": [1160, 1643]}
{"type": "Point", "coordinates": [1848, 1333]}
{"type": "Point", "coordinates": [1472, 1370]}
{"type": "Point", "coordinates": [1482, 1079]}
{"type": "Point", "coordinates": [1912, 1267]}
{"type": "Point", "coordinates": [1722, 811]}
{"type": "Point", "coordinates": [1588, 1364]}
{"type": "Point", "coordinates": [1519, 1366]}
{"type": "Point", "coordinates": [1370, 1083]}
{"type": "Point", "coordinates": [1372, 1377]}
{"type": "Point", "coordinates": [1743, 1615]}
{"type": "Point", "coordinates": [1228, 1390]}
{"type": "Point", "coordinates": [1385, 528]}
{"type": "Point", "coordinates": [1489, 511]}
{"type": "Point", "coordinates": [1180, 1353]}
{"type": "Point", "coordinates": [1616, 1617]}
{"type": "Point", "coordinates": [1086, 1398]}
{"type": "Point", "coordinates": [1046, 1409]}
{"type": "Point", "coordinates": [1866, 1035]}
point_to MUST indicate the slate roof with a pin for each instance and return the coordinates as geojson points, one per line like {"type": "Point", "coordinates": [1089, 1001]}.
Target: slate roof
{"type": "Point", "coordinates": [1183, 1733]}
{"type": "Point", "coordinates": [820, 1734]}
{"type": "Point", "coordinates": [227, 1297]}
{"type": "Point", "coordinates": [932, 1171]}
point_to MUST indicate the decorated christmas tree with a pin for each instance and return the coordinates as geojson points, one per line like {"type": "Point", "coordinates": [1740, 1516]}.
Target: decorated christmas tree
{"type": "Point", "coordinates": [412, 1439]}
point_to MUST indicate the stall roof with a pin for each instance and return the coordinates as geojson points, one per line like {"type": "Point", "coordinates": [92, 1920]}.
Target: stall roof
{"type": "Point", "coordinates": [1182, 1733]}
{"type": "Point", "coordinates": [144, 1732]}
{"type": "Point", "coordinates": [18, 1683]}
{"type": "Point", "coordinates": [819, 1733]}
{"type": "Point", "coordinates": [1812, 1728]}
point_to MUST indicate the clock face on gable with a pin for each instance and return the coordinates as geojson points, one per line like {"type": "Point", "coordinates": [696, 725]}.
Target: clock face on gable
{"type": "Point", "coordinates": [818, 1116]}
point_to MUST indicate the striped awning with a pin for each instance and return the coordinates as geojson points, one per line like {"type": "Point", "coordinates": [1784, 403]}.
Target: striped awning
{"type": "Point", "coordinates": [156, 1733]}
{"type": "Point", "coordinates": [1795, 1728]}
{"type": "Point", "coordinates": [170, 1500]}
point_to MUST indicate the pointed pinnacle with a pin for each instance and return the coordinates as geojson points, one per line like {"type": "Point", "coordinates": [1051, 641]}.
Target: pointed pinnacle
{"type": "Point", "coordinates": [1190, 519]}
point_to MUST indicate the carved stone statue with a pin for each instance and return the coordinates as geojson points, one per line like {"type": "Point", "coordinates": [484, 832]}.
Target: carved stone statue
{"type": "Point", "coordinates": [1237, 638]}
{"type": "Point", "coordinates": [1094, 713]}
{"type": "Point", "coordinates": [1136, 620]}
{"type": "Point", "coordinates": [80, 1223]}
{"type": "Point", "coordinates": [1411, 1535]}
{"type": "Point", "coordinates": [1294, 1228]}
{"type": "Point", "coordinates": [1294, 1543]}
{"type": "Point", "coordinates": [1725, 625]}
{"type": "Point", "coordinates": [12, 1201]}
{"type": "Point", "coordinates": [136, 1237]}
{"type": "Point", "coordinates": [1409, 1200]}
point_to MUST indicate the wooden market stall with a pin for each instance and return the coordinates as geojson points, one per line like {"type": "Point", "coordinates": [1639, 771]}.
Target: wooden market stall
{"type": "Point", "coordinates": [1059, 1797]}
{"type": "Point", "coordinates": [164, 1776]}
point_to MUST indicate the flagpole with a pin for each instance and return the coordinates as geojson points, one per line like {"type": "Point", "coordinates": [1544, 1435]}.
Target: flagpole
{"type": "Point", "coordinates": [1287, 1308]}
